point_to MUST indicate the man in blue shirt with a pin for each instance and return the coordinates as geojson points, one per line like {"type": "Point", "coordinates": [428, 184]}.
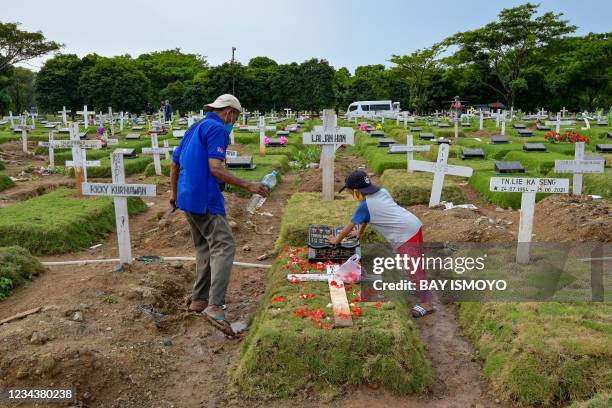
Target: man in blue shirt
{"type": "Point", "coordinates": [196, 176]}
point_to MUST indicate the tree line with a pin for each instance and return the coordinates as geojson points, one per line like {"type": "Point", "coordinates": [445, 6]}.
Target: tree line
{"type": "Point", "coordinates": [525, 58]}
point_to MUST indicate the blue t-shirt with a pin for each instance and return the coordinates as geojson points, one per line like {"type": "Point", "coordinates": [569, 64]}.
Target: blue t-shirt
{"type": "Point", "coordinates": [199, 191]}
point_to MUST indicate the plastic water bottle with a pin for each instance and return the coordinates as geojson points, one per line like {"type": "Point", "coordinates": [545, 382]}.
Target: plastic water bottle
{"type": "Point", "coordinates": [257, 200]}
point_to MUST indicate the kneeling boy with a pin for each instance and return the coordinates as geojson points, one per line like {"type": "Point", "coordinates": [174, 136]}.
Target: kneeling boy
{"type": "Point", "coordinates": [402, 229]}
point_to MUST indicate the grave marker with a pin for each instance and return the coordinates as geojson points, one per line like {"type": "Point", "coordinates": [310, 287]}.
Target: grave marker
{"type": "Point", "coordinates": [64, 116]}
{"type": "Point", "coordinates": [509, 167]}
{"type": "Point", "coordinates": [86, 164]}
{"type": "Point", "coordinates": [330, 137]}
{"type": "Point", "coordinates": [481, 124]}
{"type": "Point", "coordinates": [467, 153]}
{"type": "Point", "coordinates": [558, 123]}
{"type": "Point", "coordinates": [155, 151]}
{"type": "Point", "coordinates": [503, 124]}
{"type": "Point", "coordinates": [120, 191]}
{"type": "Point", "coordinates": [578, 167]}
{"type": "Point", "coordinates": [440, 168]}
{"type": "Point", "coordinates": [534, 147]}
{"type": "Point", "coordinates": [528, 187]}
{"type": "Point", "coordinates": [409, 149]}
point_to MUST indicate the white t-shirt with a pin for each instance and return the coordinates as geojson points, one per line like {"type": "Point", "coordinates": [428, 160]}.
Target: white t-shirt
{"type": "Point", "coordinates": [390, 220]}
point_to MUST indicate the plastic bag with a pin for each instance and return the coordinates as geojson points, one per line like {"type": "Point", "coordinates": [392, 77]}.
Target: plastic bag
{"type": "Point", "coordinates": [349, 271]}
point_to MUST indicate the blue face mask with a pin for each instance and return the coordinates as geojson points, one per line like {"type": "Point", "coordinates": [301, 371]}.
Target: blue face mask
{"type": "Point", "coordinates": [229, 127]}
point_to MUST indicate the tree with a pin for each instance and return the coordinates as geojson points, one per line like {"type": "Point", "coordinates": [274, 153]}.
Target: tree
{"type": "Point", "coordinates": [508, 46]}
{"type": "Point", "coordinates": [416, 67]}
{"type": "Point", "coordinates": [21, 90]}
{"type": "Point", "coordinates": [18, 46]}
{"type": "Point", "coordinates": [57, 83]}
{"type": "Point", "coordinates": [316, 78]}
{"type": "Point", "coordinates": [164, 67]}
{"type": "Point", "coordinates": [115, 82]}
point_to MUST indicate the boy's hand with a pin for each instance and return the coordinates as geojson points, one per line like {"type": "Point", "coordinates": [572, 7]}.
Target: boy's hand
{"type": "Point", "coordinates": [333, 240]}
{"type": "Point", "coordinates": [354, 233]}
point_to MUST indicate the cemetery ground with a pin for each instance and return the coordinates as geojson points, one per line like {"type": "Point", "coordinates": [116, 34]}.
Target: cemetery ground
{"type": "Point", "coordinates": [102, 331]}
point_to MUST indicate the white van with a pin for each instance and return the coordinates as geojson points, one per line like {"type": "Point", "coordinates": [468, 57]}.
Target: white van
{"type": "Point", "coordinates": [368, 109]}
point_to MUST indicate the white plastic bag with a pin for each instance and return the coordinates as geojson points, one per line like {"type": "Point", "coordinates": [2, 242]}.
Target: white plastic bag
{"type": "Point", "coordinates": [349, 271]}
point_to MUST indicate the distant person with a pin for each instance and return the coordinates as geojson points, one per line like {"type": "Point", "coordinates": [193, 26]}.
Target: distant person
{"type": "Point", "coordinates": [196, 176]}
{"type": "Point", "coordinates": [149, 108]}
{"type": "Point", "coordinates": [167, 111]}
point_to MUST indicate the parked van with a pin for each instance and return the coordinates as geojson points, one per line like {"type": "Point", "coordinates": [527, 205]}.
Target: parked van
{"type": "Point", "coordinates": [367, 109]}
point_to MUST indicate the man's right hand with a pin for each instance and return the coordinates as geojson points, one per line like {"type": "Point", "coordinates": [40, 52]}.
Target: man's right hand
{"type": "Point", "coordinates": [259, 188]}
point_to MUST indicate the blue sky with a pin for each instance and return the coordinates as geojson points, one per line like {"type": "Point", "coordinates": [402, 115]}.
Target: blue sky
{"type": "Point", "coordinates": [346, 33]}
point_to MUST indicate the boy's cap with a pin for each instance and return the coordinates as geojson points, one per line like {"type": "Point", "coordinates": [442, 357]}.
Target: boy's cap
{"type": "Point", "coordinates": [359, 180]}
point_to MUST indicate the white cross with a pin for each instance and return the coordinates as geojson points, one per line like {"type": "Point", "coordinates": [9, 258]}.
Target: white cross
{"type": "Point", "coordinates": [563, 112]}
{"type": "Point", "coordinates": [155, 151]}
{"type": "Point", "coordinates": [64, 116]}
{"type": "Point", "coordinates": [557, 123]}
{"type": "Point", "coordinates": [24, 137]}
{"type": "Point", "coordinates": [121, 119]}
{"type": "Point", "coordinates": [262, 135]}
{"type": "Point", "coordinates": [456, 123]}
{"type": "Point", "coordinates": [168, 149]}
{"type": "Point", "coordinates": [528, 187]}
{"type": "Point", "coordinates": [12, 119]}
{"type": "Point", "coordinates": [85, 115]}
{"type": "Point", "coordinates": [481, 119]}
{"type": "Point", "coordinates": [503, 123]}
{"type": "Point", "coordinates": [33, 115]}
{"type": "Point", "coordinates": [51, 150]}
{"type": "Point", "coordinates": [578, 167]}
{"type": "Point", "coordinates": [409, 148]}
{"type": "Point", "coordinates": [86, 164]}
{"type": "Point", "coordinates": [287, 112]}
{"type": "Point", "coordinates": [120, 191]}
{"type": "Point", "coordinates": [440, 168]}
{"type": "Point", "coordinates": [331, 137]}
{"type": "Point", "coordinates": [497, 117]}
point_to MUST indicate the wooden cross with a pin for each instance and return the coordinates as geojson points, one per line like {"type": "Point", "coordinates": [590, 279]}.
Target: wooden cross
{"type": "Point", "coordinates": [409, 148]}
{"type": "Point", "coordinates": [262, 135]}
{"type": "Point", "coordinates": [440, 168]}
{"type": "Point", "coordinates": [578, 167]}
{"type": "Point", "coordinates": [481, 119]}
{"type": "Point", "coordinates": [528, 187]}
{"type": "Point", "coordinates": [64, 116]}
{"type": "Point", "coordinates": [330, 137]}
{"type": "Point", "coordinates": [557, 123]}
{"type": "Point", "coordinates": [155, 151]}
{"type": "Point", "coordinates": [120, 191]}
{"type": "Point", "coordinates": [86, 164]}
{"type": "Point", "coordinates": [85, 115]}
{"type": "Point", "coordinates": [337, 293]}
{"type": "Point", "coordinates": [497, 117]}
{"type": "Point", "coordinates": [24, 134]}
{"type": "Point", "coordinates": [11, 119]}
{"type": "Point", "coordinates": [503, 124]}
{"type": "Point", "coordinates": [563, 112]}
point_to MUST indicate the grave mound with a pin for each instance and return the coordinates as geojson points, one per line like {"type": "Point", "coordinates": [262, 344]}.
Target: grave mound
{"type": "Point", "coordinates": [37, 225]}
{"type": "Point", "coordinates": [415, 188]}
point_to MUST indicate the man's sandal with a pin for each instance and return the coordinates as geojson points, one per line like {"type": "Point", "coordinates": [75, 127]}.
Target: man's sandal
{"type": "Point", "coordinates": [420, 311]}
{"type": "Point", "coordinates": [220, 323]}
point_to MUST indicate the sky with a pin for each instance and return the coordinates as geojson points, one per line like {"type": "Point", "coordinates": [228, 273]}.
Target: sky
{"type": "Point", "coordinates": [347, 33]}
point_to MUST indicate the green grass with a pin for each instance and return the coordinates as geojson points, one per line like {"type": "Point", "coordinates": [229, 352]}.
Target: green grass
{"type": "Point", "coordinates": [2, 166]}
{"type": "Point", "coordinates": [5, 182]}
{"type": "Point", "coordinates": [603, 400]}
{"type": "Point", "coordinates": [286, 355]}
{"type": "Point", "coordinates": [415, 188]}
{"type": "Point", "coordinates": [541, 353]}
{"type": "Point", "coordinates": [60, 221]}
{"type": "Point", "coordinates": [599, 184]}
{"type": "Point", "coordinates": [498, 151]}
{"type": "Point", "coordinates": [16, 266]}
{"type": "Point", "coordinates": [131, 166]}
{"type": "Point", "coordinates": [541, 162]}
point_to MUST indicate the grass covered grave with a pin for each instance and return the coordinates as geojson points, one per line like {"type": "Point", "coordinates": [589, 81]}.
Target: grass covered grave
{"type": "Point", "coordinates": [16, 266]}
{"type": "Point", "coordinates": [291, 348]}
{"type": "Point", "coordinates": [60, 221]}
{"type": "Point", "coordinates": [5, 182]}
{"type": "Point", "coordinates": [415, 188]}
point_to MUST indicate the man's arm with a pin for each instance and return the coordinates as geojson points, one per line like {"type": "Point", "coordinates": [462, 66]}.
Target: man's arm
{"type": "Point", "coordinates": [174, 175]}
{"type": "Point", "coordinates": [219, 171]}
{"type": "Point", "coordinates": [344, 233]}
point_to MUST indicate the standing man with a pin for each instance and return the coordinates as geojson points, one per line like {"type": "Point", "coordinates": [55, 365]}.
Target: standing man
{"type": "Point", "coordinates": [167, 111]}
{"type": "Point", "coordinates": [197, 176]}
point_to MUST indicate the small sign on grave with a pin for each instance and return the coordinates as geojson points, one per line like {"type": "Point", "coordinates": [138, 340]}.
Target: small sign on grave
{"type": "Point", "coordinates": [178, 133]}
{"type": "Point", "coordinates": [126, 152]}
{"type": "Point", "coordinates": [525, 132]}
{"type": "Point", "coordinates": [442, 140]}
{"type": "Point", "coordinates": [601, 123]}
{"type": "Point", "coordinates": [506, 167]}
{"type": "Point", "coordinates": [519, 126]}
{"type": "Point", "coordinates": [320, 250]}
{"type": "Point", "coordinates": [282, 133]}
{"type": "Point", "coordinates": [274, 142]}
{"type": "Point", "coordinates": [605, 148]}
{"type": "Point", "coordinates": [426, 136]}
{"type": "Point", "coordinates": [416, 129]}
{"type": "Point", "coordinates": [377, 133]}
{"type": "Point", "coordinates": [499, 139]}
{"type": "Point", "coordinates": [468, 153]}
{"type": "Point", "coordinates": [342, 136]}
{"type": "Point", "coordinates": [443, 125]}
{"type": "Point", "coordinates": [240, 162]}
{"type": "Point", "coordinates": [534, 147]}
{"type": "Point", "coordinates": [132, 136]}
{"type": "Point", "coordinates": [528, 187]}
{"type": "Point", "coordinates": [543, 127]}
{"type": "Point", "coordinates": [466, 124]}
{"type": "Point", "coordinates": [385, 142]}
{"type": "Point", "coordinates": [137, 127]}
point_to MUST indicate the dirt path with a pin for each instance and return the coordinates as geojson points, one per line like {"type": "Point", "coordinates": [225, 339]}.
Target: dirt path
{"type": "Point", "coordinates": [119, 355]}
